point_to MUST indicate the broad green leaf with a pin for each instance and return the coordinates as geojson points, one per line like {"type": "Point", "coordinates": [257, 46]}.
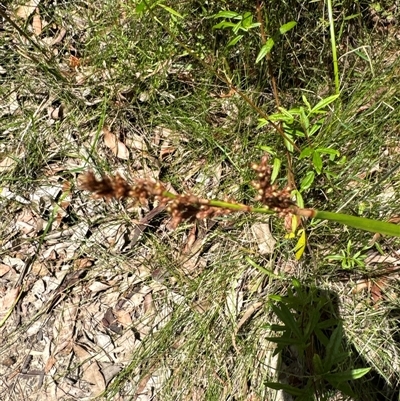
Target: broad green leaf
{"type": "Point", "coordinates": [265, 50]}
{"type": "Point", "coordinates": [226, 14]}
{"type": "Point", "coordinates": [275, 169]}
{"type": "Point", "coordinates": [307, 181]}
{"type": "Point", "coordinates": [234, 40]}
{"type": "Point", "coordinates": [247, 20]}
{"type": "Point", "coordinates": [317, 162]}
{"type": "Point", "coordinates": [306, 152]}
{"type": "Point", "coordinates": [301, 245]}
{"type": "Point", "coordinates": [323, 103]}
{"type": "Point", "coordinates": [287, 27]}
{"type": "Point", "coordinates": [170, 10]}
{"type": "Point", "coordinates": [351, 374]}
{"type": "Point", "coordinates": [286, 387]}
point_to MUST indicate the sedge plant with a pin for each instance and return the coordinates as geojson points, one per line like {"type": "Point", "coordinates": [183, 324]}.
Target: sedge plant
{"type": "Point", "coordinates": [189, 206]}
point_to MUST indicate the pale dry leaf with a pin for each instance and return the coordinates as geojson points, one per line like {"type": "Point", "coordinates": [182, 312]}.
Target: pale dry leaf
{"type": "Point", "coordinates": [115, 145]}
{"type": "Point", "coordinates": [8, 300]}
{"type": "Point", "coordinates": [123, 317]}
{"type": "Point", "coordinates": [7, 164]}
{"type": "Point", "coordinates": [24, 11]}
{"type": "Point", "coordinates": [98, 286]}
{"type": "Point", "coordinates": [4, 269]}
{"type": "Point", "coordinates": [37, 24]}
{"type": "Point", "coordinates": [263, 237]}
{"type": "Point", "coordinates": [91, 370]}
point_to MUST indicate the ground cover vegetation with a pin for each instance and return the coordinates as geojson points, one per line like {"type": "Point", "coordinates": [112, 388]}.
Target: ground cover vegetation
{"type": "Point", "coordinates": [242, 243]}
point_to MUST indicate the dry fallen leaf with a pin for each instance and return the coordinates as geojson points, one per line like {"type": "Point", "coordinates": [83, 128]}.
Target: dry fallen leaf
{"type": "Point", "coordinates": [7, 164]}
{"type": "Point", "coordinates": [24, 11]}
{"type": "Point", "coordinates": [37, 23]}
{"type": "Point", "coordinates": [262, 235]}
{"type": "Point", "coordinates": [116, 146]}
{"type": "Point", "coordinates": [7, 301]}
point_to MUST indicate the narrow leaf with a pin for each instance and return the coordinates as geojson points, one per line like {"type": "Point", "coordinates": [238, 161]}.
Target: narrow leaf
{"type": "Point", "coordinates": [284, 314]}
{"type": "Point", "coordinates": [361, 223]}
{"type": "Point", "coordinates": [301, 245]}
{"type": "Point", "coordinates": [307, 181]}
{"type": "Point", "coordinates": [287, 27]}
{"type": "Point", "coordinates": [234, 40]}
{"type": "Point", "coordinates": [171, 10]}
{"type": "Point", "coordinates": [265, 50]}
{"type": "Point", "coordinates": [317, 162]}
{"type": "Point", "coordinates": [275, 169]}
{"type": "Point", "coordinates": [323, 103]}
{"type": "Point", "coordinates": [333, 347]}
{"type": "Point", "coordinates": [226, 14]}
{"type": "Point", "coordinates": [285, 387]}
{"type": "Point", "coordinates": [351, 374]}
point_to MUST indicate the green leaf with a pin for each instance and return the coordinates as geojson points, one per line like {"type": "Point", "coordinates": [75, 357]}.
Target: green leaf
{"type": "Point", "coordinates": [306, 102]}
{"type": "Point", "coordinates": [299, 198]}
{"type": "Point", "coordinates": [289, 145]}
{"type": "Point", "coordinates": [328, 151]}
{"type": "Point", "coordinates": [316, 126]}
{"type": "Point", "coordinates": [265, 50]}
{"type": "Point", "coordinates": [267, 149]}
{"type": "Point", "coordinates": [307, 181]}
{"type": "Point", "coordinates": [140, 7]}
{"type": "Point", "coordinates": [323, 103]}
{"type": "Point", "coordinates": [275, 169]}
{"type": "Point", "coordinates": [287, 27]}
{"type": "Point", "coordinates": [308, 151]}
{"type": "Point", "coordinates": [223, 25]}
{"type": "Point", "coordinates": [351, 374]}
{"type": "Point", "coordinates": [226, 14]}
{"type": "Point", "coordinates": [317, 162]}
{"type": "Point", "coordinates": [305, 122]}
{"type": "Point", "coordinates": [261, 123]}
{"type": "Point", "coordinates": [361, 223]}
{"type": "Point", "coordinates": [286, 387]}
{"type": "Point", "coordinates": [301, 245]}
{"type": "Point", "coordinates": [247, 20]}
{"type": "Point", "coordinates": [234, 40]}
{"type": "Point", "coordinates": [333, 347]}
{"type": "Point", "coordinates": [284, 314]}
{"type": "Point", "coordinates": [170, 10]}
{"type": "Point", "coordinates": [317, 363]}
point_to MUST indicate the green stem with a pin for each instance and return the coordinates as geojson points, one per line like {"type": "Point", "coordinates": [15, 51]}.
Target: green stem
{"type": "Point", "coordinates": [361, 223]}
{"type": "Point", "coordinates": [333, 45]}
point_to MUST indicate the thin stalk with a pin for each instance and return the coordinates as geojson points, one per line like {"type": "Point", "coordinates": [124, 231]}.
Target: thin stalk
{"type": "Point", "coordinates": [333, 45]}
{"type": "Point", "coordinates": [361, 223]}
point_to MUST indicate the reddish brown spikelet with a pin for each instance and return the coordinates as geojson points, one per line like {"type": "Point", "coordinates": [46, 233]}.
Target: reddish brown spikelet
{"type": "Point", "coordinates": [107, 187]}
{"type": "Point", "coordinates": [269, 194]}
